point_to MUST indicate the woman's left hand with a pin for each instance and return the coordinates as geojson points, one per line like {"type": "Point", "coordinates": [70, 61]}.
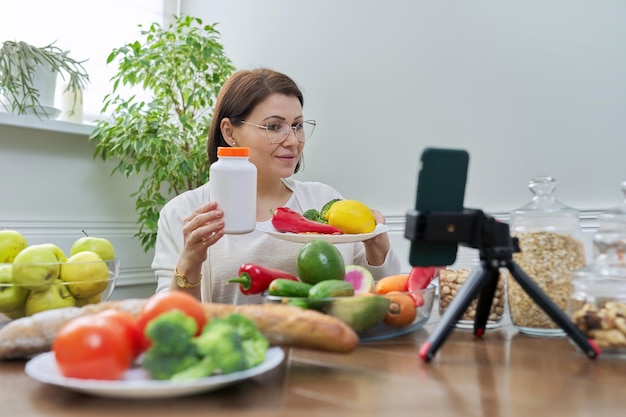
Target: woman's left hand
{"type": "Point", "coordinates": [376, 248]}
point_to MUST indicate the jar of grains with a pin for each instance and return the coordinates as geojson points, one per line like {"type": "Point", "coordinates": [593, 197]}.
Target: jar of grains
{"type": "Point", "coordinates": [451, 280]}
{"type": "Point", "coordinates": [551, 246]}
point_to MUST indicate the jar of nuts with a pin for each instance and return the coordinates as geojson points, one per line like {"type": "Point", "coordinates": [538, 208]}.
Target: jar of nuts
{"type": "Point", "coordinates": [598, 306]}
{"type": "Point", "coordinates": [598, 302]}
{"type": "Point", "coordinates": [551, 249]}
{"type": "Point", "coordinates": [450, 281]}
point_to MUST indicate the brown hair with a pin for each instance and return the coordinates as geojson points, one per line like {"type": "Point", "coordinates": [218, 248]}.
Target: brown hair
{"type": "Point", "coordinates": [239, 96]}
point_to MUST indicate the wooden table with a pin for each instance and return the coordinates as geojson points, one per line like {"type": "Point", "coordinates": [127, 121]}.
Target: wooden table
{"type": "Point", "coordinates": [503, 374]}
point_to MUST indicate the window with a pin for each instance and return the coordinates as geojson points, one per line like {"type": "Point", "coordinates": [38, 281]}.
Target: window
{"type": "Point", "coordinates": [89, 30]}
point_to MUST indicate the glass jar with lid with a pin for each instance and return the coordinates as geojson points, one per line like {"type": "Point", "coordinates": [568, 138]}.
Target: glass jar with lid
{"type": "Point", "coordinates": [551, 246]}
{"type": "Point", "coordinates": [598, 302]}
{"type": "Point", "coordinates": [597, 305]}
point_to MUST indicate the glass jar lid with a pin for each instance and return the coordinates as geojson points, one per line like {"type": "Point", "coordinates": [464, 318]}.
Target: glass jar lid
{"type": "Point", "coordinates": [614, 220]}
{"type": "Point", "coordinates": [544, 211]}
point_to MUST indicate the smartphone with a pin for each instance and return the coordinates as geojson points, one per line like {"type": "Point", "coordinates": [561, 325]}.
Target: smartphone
{"type": "Point", "coordinates": [440, 188]}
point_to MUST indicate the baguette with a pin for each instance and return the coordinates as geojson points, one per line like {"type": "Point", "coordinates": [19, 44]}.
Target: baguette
{"type": "Point", "coordinates": [283, 325]}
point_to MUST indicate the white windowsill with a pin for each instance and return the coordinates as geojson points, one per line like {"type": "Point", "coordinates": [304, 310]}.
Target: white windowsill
{"type": "Point", "coordinates": [32, 122]}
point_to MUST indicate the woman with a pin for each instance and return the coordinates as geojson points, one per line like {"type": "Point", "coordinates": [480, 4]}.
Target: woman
{"type": "Point", "coordinates": [260, 109]}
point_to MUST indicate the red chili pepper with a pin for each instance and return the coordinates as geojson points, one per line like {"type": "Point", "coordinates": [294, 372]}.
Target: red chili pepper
{"type": "Point", "coordinates": [254, 279]}
{"type": "Point", "coordinates": [285, 219]}
{"type": "Point", "coordinates": [420, 277]}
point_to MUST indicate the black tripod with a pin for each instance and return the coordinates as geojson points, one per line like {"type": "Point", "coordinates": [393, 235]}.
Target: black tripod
{"type": "Point", "coordinates": [473, 228]}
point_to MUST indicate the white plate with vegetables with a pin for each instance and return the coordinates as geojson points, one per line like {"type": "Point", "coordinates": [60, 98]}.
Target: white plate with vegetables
{"type": "Point", "coordinates": [136, 383]}
{"type": "Point", "coordinates": [306, 237]}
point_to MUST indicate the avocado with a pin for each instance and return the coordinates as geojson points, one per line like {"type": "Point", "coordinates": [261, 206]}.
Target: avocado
{"type": "Point", "coordinates": [360, 312]}
{"type": "Point", "coordinates": [319, 260]}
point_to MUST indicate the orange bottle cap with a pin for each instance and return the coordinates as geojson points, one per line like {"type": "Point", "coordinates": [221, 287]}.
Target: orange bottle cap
{"type": "Point", "coordinates": [233, 151]}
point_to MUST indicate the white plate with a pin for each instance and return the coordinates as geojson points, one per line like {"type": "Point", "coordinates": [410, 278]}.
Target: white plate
{"type": "Point", "coordinates": [136, 383]}
{"type": "Point", "coordinates": [306, 237]}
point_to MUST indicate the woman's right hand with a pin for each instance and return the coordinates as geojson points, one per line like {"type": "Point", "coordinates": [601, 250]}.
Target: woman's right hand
{"type": "Point", "coordinates": [201, 229]}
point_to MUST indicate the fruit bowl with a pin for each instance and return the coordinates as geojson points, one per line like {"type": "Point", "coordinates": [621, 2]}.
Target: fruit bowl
{"type": "Point", "coordinates": [28, 288]}
{"type": "Point", "coordinates": [367, 314]}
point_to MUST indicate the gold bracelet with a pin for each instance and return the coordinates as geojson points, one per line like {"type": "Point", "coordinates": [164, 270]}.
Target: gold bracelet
{"type": "Point", "coordinates": [182, 282]}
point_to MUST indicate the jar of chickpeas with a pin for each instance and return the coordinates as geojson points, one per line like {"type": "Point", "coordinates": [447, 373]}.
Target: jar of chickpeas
{"type": "Point", "coordinates": [450, 282]}
{"type": "Point", "coordinates": [552, 248]}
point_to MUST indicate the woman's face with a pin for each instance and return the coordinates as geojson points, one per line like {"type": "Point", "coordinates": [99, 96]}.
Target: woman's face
{"type": "Point", "coordinates": [271, 159]}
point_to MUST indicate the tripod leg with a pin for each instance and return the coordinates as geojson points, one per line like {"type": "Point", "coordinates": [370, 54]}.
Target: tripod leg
{"type": "Point", "coordinates": [485, 299]}
{"type": "Point", "coordinates": [470, 289]}
{"type": "Point", "coordinates": [528, 285]}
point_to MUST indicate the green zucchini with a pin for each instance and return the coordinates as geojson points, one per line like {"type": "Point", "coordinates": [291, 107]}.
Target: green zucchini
{"type": "Point", "coordinates": [331, 288]}
{"type": "Point", "coordinates": [283, 287]}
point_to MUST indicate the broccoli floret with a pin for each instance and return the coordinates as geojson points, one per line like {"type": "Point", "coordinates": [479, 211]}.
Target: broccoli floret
{"type": "Point", "coordinates": [312, 214]}
{"type": "Point", "coordinates": [254, 343]}
{"type": "Point", "coordinates": [227, 344]}
{"type": "Point", "coordinates": [172, 347]}
{"type": "Point", "coordinates": [164, 366]}
{"type": "Point", "coordinates": [222, 353]}
{"type": "Point", "coordinates": [324, 210]}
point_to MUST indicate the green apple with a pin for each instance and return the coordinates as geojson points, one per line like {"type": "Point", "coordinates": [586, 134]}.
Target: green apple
{"type": "Point", "coordinates": [80, 302]}
{"type": "Point", "coordinates": [86, 274]}
{"type": "Point", "coordinates": [11, 243]}
{"type": "Point", "coordinates": [56, 295]}
{"type": "Point", "coordinates": [58, 252]}
{"type": "Point", "coordinates": [36, 266]}
{"type": "Point", "coordinates": [18, 313]}
{"type": "Point", "coordinates": [99, 245]}
{"type": "Point", "coordinates": [11, 296]}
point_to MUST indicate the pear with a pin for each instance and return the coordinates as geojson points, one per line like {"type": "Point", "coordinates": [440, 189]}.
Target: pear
{"type": "Point", "coordinates": [12, 242]}
{"type": "Point", "coordinates": [36, 266]}
{"type": "Point", "coordinates": [12, 296]}
{"type": "Point", "coordinates": [101, 246]}
{"type": "Point", "coordinates": [56, 295]}
{"type": "Point", "coordinates": [86, 274]}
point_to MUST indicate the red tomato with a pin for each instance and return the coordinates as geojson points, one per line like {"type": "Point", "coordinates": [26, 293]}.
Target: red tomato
{"type": "Point", "coordinates": [168, 301]}
{"type": "Point", "coordinates": [91, 347]}
{"type": "Point", "coordinates": [130, 324]}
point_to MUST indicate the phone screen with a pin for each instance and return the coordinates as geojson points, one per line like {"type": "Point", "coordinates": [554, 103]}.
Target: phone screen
{"type": "Point", "coordinates": [440, 188]}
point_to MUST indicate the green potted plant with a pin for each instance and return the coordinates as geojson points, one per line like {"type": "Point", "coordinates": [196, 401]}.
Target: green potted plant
{"type": "Point", "coordinates": [163, 140]}
{"type": "Point", "coordinates": [28, 77]}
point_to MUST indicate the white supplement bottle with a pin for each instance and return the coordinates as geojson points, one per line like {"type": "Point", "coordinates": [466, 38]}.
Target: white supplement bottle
{"type": "Point", "coordinates": [233, 186]}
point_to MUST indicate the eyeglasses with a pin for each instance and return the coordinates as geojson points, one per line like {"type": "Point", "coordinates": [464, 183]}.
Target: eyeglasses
{"type": "Point", "coordinates": [277, 132]}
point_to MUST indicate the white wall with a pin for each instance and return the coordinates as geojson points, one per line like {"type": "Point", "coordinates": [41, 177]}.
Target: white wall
{"type": "Point", "coordinates": [53, 188]}
{"type": "Point", "coordinates": [528, 87]}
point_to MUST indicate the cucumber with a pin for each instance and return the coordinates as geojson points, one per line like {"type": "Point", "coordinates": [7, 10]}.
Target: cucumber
{"type": "Point", "coordinates": [360, 312]}
{"type": "Point", "coordinates": [331, 288]}
{"type": "Point", "coordinates": [284, 287]}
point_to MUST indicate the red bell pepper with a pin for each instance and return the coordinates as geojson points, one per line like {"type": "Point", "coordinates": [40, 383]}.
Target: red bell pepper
{"type": "Point", "coordinates": [254, 279]}
{"type": "Point", "coordinates": [285, 219]}
{"type": "Point", "coordinates": [420, 277]}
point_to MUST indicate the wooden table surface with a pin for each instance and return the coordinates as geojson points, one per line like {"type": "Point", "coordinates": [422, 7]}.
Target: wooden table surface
{"type": "Point", "coordinates": [503, 374]}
